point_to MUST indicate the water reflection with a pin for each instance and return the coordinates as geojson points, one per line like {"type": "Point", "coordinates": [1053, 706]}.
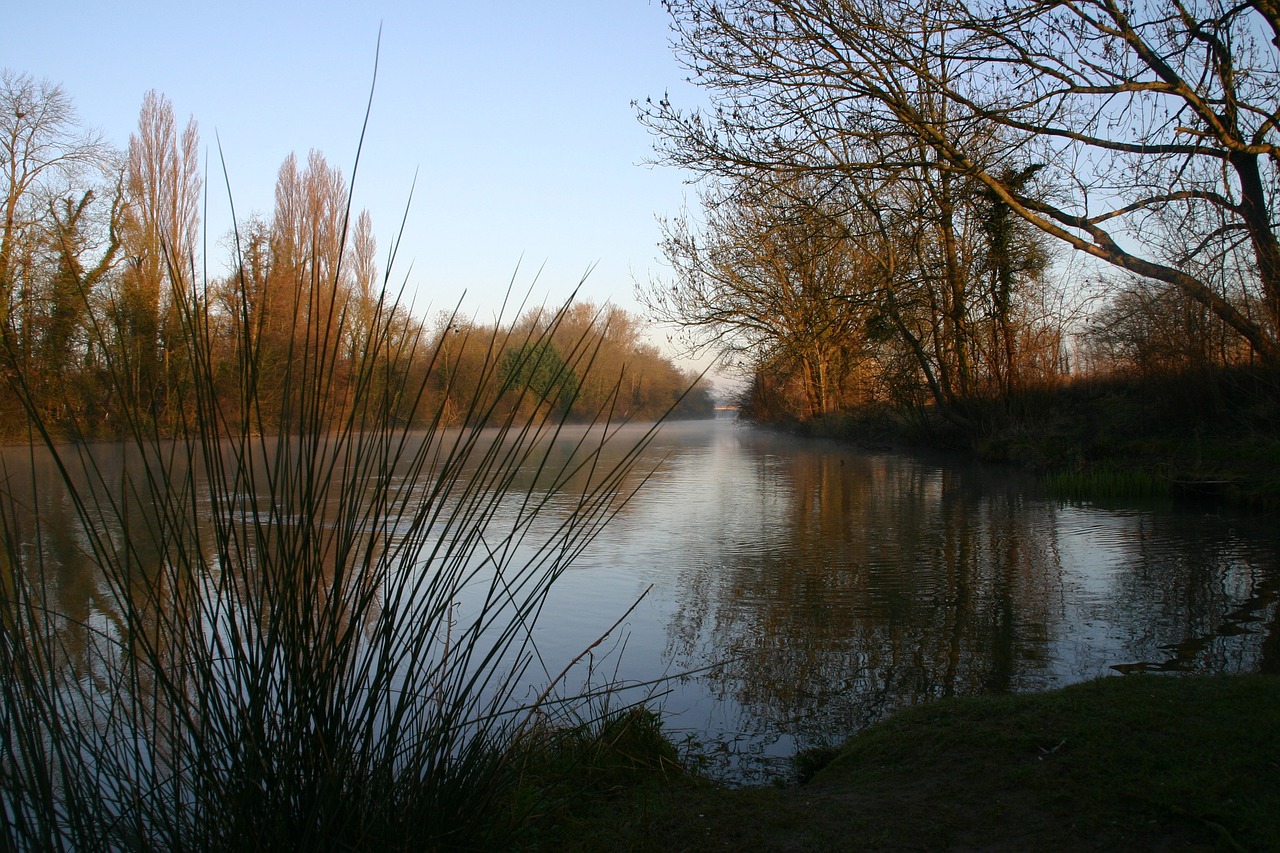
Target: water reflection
{"type": "Point", "coordinates": [812, 589]}
{"type": "Point", "coordinates": [837, 586]}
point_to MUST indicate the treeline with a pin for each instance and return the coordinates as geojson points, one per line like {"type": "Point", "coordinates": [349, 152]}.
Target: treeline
{"type": "Point", "coordinates": [896, 195]}
{"type": "Point", "coordinates": [828, 309]}
{"type": "Point", "coordinates": [107, 315]}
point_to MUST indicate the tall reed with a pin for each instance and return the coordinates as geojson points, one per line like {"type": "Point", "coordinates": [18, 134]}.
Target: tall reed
{"type": "Point", "coordinates": [303, 630]}
{"type": "Point", "coordinates": [1106, 483]}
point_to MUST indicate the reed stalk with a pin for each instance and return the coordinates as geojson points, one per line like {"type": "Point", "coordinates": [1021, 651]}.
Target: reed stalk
{"type": "Point", "coordinates": [297, 630]}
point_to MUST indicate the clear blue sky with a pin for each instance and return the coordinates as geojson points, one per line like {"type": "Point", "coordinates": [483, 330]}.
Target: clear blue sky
{"type": "Point", "coordinates": [515, 116]}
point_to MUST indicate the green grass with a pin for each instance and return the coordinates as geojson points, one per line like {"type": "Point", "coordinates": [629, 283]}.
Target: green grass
{"type": "Point", "coordinates": [1107, 483]}
{"type": "Point", "coordinates": [1123, 763]}
{"type": "Point", "coordinates": [564, 765]}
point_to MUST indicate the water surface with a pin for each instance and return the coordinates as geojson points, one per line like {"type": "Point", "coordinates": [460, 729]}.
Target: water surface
{"type": "Point", "coordinates": [793, 591]}
{"type": "Point", "coordinates": [825, 587]}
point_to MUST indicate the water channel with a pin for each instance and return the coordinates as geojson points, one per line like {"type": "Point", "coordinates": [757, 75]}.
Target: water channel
{"type": "Point", "coordinates": [812, 588]}
{"type": "Point", "coordinates": [794, 591]}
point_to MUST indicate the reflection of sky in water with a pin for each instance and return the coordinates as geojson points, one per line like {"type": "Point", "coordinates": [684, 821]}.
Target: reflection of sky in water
{"type": "Point", "coordinates": [1159, 591]}
{"type": "Point", "coordinates": [1092, 548]}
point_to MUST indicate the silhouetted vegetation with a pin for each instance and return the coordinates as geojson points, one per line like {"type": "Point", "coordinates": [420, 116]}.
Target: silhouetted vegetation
{"type": "Point", "coordinates": [1133, 763]}
{"type": "Point", "coordinates": [315, 553]}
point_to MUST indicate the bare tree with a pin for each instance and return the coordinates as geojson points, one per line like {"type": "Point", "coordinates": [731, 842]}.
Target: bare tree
{"type": "Point", "coordinates": [46, 159]}
{"type": "Point", "coordinates": [366, 293]}
{"type": "Point", "coordinates": [1142, 134]}
{"type": "Point", "coordinates": [58, 245]}
{"type": "Point", "coordinates": [771, 279]}
{"type": "Point", "coordinates": [310, 220]}
{"type": "Point", "coordinates": [309, 304]}
{"type": "Point", "coordinates": [785, 112]}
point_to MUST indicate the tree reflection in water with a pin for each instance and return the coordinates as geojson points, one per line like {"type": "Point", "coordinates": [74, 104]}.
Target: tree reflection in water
{"type": "Point", "coordinates": [834, 586]}
{"type": "Point", "coordinates": [839, 586]}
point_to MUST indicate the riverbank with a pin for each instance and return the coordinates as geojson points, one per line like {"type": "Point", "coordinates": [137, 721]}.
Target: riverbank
{"type": "Point", "coordinates": [1122, 763]}
{"type": "Point", "coordinates": [1207, 437]}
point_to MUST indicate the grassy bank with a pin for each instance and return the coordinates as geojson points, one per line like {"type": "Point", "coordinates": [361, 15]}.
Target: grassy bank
{"type": "Point", "coordinates": [1205, 437]}
{"type": "Point", "coordinates": [1123, 763]}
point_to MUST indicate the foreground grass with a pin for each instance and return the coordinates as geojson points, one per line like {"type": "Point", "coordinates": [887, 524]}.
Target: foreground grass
{"type": "Point", "coordinates": [297, 611]}
{"type": "Point", "coordinates": [1123, 763]}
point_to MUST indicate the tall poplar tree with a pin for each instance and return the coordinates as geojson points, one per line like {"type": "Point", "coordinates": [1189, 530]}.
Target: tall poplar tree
{"type": "Point", "coordinates": [159, 234]}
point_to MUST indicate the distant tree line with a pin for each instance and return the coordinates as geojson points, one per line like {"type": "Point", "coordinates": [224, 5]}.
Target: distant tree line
{"type": "Point", "coordinates": [887, 185]}
{"type": "Point", "coordinates": [104, 301]}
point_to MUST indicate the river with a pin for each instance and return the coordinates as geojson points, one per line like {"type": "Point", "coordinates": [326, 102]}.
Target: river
{"type": "Point", "coordinates": [790, 592]}
{"type": "Point", "coordinates": [810, 588]}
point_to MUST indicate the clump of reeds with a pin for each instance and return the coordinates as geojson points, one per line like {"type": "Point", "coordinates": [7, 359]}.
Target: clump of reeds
{"type": "Point", "coordinates": [1106, 483]}
{"type": "Point", "coordinates": [574, 762]}
{"type": "Point", "coordinates": [298, 632]}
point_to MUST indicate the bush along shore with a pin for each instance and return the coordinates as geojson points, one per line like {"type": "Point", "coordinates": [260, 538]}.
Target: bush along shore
{"type": "Point", "coordinates": [1136, 762]}
{"type": "Point", "coordinates": [1212, 436]}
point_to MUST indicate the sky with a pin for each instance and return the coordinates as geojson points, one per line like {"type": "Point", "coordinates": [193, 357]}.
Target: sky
{"type": "Point", "coordinates": [511, 122]}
